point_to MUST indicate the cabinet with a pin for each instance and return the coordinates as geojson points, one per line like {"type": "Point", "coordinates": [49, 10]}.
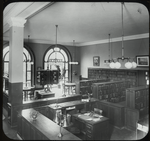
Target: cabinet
{"type": "Point", "coordinates": [113, 91]}
{"type": "Point", "coordinates": [136, 77]}
{"type": "Point", "coordinates": [85, 86]}
{"type": "Point", "coordinates": [138, 98]}
{"type": "Point", "coordinates": [47, 77]}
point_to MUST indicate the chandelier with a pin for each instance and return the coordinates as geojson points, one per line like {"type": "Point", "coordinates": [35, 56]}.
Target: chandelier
{"type": "Point", "coordinates": [117, 64]}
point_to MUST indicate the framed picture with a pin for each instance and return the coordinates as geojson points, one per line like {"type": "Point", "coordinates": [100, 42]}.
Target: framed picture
{"type": "Point", "coordinates": [142, 60]}
{"type": "Point", "coordinates": [96, 61]}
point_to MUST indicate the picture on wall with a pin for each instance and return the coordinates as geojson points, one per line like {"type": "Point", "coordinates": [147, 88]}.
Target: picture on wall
{"type": "Point", "coordinates": [96, 61]}
{"type": "Point", "coordinates": [142, 60]}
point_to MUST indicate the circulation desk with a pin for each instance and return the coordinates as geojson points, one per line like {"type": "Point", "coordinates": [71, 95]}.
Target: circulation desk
{"type": "Point", "coordinates": [41, 129]}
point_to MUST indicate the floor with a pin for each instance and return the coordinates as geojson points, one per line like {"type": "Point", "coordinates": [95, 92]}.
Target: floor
{"type": "Point", "coordinates": [117, 134]}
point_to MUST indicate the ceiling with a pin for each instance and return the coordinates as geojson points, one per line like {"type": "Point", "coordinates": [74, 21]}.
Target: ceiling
{"type": "Point", "coordinates": [85, 22]}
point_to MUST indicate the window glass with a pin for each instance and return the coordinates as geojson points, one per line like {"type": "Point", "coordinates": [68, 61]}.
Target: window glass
{"type": "Point", "coordinates": [26, 66]}
{"type": "Point", "coordinates": [56, 56]}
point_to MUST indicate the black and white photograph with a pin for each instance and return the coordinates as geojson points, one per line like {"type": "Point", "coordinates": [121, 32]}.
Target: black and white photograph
{"type": "Point", "coordinates": [75, 70]}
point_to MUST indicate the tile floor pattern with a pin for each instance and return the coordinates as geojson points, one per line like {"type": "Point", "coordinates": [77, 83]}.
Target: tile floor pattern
{"type": "Point", "coordinates": [117, 134]}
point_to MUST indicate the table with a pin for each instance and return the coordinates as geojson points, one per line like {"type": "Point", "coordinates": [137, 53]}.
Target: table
{"type": "Point", "coordinates": [93, 128]}
{"type": "Point", "coordinates": [70, 87]}
{"type": "Point", "coordinates": [42, 94]}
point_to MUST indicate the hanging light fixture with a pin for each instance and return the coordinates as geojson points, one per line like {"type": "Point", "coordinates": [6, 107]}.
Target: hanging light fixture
{"type": "Point", "coordinates": [108, 61]}
{"type": "Point", "coordinates": [28, 58]}
{"type": "Point", "coordinates": [74, 56]}
{"type": "Point", "coordinates": [128, 64]}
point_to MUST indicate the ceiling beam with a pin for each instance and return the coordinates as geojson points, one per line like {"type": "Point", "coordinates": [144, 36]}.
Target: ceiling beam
{"type": "Point", "coordinates": [24, 10]}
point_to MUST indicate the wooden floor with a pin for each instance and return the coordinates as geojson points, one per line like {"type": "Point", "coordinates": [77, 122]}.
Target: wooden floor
{"type": "Point", "coordinates": [117, 134]}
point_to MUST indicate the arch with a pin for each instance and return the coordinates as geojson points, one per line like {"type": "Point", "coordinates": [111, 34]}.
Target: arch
{"type": "Point", "coordinates": [27, 68]}
{"type": "Point", "coordinates": [59, 54]}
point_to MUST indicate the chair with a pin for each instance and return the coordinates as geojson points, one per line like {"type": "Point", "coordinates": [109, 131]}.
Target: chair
{"type": "Point", "coordinates": [98, 111]}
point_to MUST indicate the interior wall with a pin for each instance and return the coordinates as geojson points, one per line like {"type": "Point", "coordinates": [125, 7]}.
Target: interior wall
{"type": "Point", "coordinates": [132, 48]}
{"type": "Point", "coordinates": [39, 51]}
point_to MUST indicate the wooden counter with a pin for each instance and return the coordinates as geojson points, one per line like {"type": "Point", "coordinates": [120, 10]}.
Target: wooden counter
{"type": "Point", "coordinates": [114, 111]}
{"type": "Point", "coordinates": [76, 104]}
{"type": "Point", "coordinates": [72, 103]}
{"type": "Point", "coordinates": [41, 129]}
{"type": "Point", "coordinates": [47, 101]}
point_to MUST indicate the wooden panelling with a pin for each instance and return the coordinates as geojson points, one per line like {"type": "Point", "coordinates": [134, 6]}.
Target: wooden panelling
{"type": "Point", "coordinates": [138, 98]}
{"type": "Point", "coordinates": [131, 118]}
{"type": "Point", "coordinates": [114, 111]}
{"type": "Point", "coordinates": [5, 101]}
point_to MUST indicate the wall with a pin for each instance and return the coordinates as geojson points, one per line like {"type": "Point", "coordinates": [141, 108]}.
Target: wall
{"type": "Point", "coordinates": [39, 51]}
{"type": "Point", "coordinates": [131, 49]}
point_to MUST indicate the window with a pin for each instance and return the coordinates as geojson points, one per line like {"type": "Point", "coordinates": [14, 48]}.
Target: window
{"type": "Point", "coordinates": [26, 66]}
{"type": "Point", "coordinates": [57, 56]}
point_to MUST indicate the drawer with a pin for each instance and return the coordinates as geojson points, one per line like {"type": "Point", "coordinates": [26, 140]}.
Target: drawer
{"type": "Point", "coordinates": [88, 136]}
{"type": "Point", "coordinates": [89, 131]}
{"type": "Point", "coordinates": [89, 127]}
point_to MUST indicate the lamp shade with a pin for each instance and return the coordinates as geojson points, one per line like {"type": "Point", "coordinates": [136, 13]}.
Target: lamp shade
{"type": "Point", "coordinates": [117, 65]}
{"type": "Point", "coordinates": [112, 65]}
{"type": "Point", "coordinates": [128, 65]}
{"type": "Point", "coordinates": [134, 65]}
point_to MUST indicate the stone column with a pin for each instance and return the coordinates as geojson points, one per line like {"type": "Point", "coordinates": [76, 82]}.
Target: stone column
{"type": "Point", "coordinates": [16, 42]}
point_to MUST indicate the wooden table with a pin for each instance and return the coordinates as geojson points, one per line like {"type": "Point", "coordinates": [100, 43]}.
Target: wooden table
{"type": "Point", "coordinates": [42, 94]}
{"type": "Point", "coordinates": [41, 129]}
{"type": "Point", "coordinates": [93, 128]}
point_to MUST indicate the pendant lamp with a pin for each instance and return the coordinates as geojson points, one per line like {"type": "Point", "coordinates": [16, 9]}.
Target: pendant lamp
{"type": "Point", "coordinates": [128, 64]}
{"type": "Point", "coordinates": [74, 55]}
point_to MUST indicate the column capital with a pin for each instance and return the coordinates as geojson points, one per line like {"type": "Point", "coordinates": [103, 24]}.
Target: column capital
{"type": "Point", "coordinates": [17, 21]}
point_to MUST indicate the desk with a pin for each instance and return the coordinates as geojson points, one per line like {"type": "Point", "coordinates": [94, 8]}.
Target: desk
{"type": "Point", "coordinates": [42, 94]}
{"type": "Point", "coordinates": [41, 129]}
{"type": "Point", "coordinates": [70, 87]}
{"type": "Point", "coordinates": [93, 128]}
{"type": "Point", "coordinates": [78, 104]}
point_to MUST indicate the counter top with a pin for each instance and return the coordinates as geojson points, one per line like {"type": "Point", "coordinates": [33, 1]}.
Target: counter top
{"type": "Point", "coordinates": [70, 103]}
{"type": "Point", "coordinates": [51, 98]}
{"type": "Point", "coordinates": [47, 127]}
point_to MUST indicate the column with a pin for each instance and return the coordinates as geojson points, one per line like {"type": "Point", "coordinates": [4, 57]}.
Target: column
{"type": "Point", "coordinates": [16, 42]}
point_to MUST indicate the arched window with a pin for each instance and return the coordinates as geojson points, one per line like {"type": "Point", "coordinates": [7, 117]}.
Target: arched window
{"type": "Point", "coordinates": [57, 56]}
{"type": "Point", "coordinates": [26, 66]}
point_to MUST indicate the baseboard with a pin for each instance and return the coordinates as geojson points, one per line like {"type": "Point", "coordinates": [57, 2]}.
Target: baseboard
{"type": "Point", "coordinates": [19, 137]}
